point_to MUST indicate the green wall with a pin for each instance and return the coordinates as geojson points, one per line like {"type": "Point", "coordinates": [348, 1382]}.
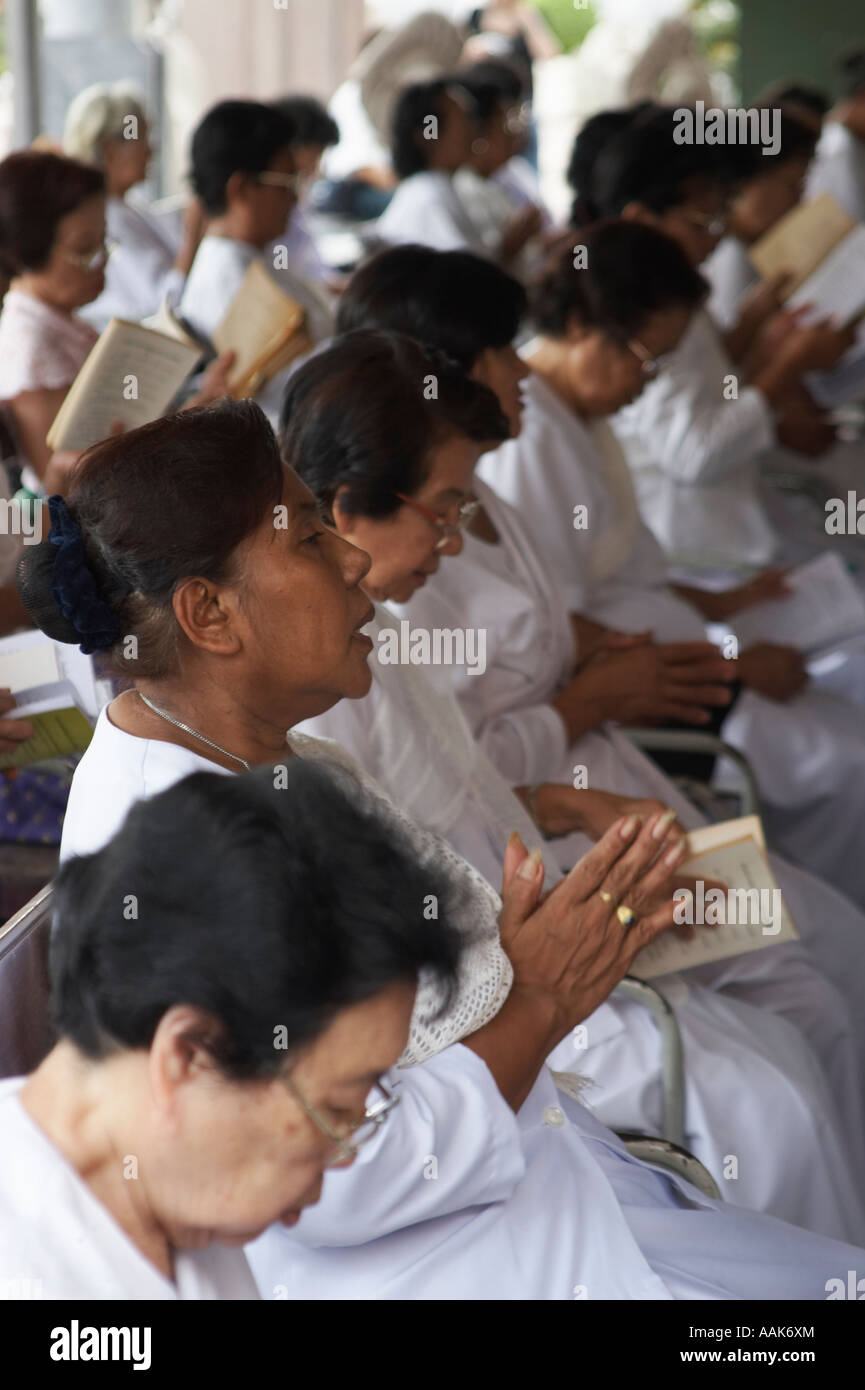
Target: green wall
{"type": "Point", "coordinates": [796, 39]}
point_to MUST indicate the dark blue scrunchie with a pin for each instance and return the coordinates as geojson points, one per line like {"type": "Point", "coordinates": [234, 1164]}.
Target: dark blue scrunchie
{"type": "Point", "coordinates": [73, 586]}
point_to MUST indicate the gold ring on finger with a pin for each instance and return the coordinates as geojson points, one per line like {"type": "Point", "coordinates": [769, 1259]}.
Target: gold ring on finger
{"type": "Point", "coordinates": [625, 915]}
{"type": "Point", "coordinates": [604, 895]}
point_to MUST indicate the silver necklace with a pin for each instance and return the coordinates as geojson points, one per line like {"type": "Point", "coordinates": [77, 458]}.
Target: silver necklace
{"type": "Point", "coordinates": [178, 723]}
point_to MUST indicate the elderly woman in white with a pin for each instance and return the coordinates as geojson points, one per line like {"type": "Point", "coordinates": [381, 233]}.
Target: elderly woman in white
{"type": "Point", "coordinates": [255, 627]}
{"type": "Point", "coordinates": [410, 735]}
{"type": "Point", "coordinates": [108, 125]}
{"type": "Point", "coordinates": [166, 1127]}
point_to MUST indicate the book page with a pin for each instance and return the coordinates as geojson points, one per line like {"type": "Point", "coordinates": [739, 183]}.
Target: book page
{"type": "Point", "coordinates": [801, 240]}
{"type": "Point", "coordinates": [165, 321]}
{"type": "Point", "coordinates": [825, 606]}
{"type": "Point", "coordinates": [34, 667]}
{"type": "Point", "coordinates": [259, 321]}
{"type": "Point", "coordinates": [132, 374]}
{"type": "Point", "coordinates": [751, 915]}
{"type": "Point", "coordinates": [837, 286]}
{"type": "Point", "coordinates": [57, 733]}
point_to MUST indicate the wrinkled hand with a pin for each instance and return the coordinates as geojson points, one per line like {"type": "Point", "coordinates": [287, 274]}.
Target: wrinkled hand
{"type": "Point", "coordinates": [564, 809]}
{"type": "Point", "coordinates": [653, 684]}
{"type": "Point", "coordinates": [572, 950]}
{"type": "Point", "coordinates": [777, 672]}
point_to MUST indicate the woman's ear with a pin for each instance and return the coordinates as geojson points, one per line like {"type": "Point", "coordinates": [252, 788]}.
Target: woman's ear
{"type": "Point", "coordinates": [345, 523]}
{"type": "Point", "coordinates": [205, 612]}
{"type": "Point", "coordinates": [237, 187]}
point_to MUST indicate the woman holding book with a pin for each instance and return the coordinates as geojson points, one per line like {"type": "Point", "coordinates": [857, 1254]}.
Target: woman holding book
{"type": "Point", "coordinates": [244, 172]}
{"type": "Point", "coordinates": [247, 621]}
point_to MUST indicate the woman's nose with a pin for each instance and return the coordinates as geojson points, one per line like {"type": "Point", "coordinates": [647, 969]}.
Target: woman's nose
{"type": "Point", "coordinates": [454, 544]}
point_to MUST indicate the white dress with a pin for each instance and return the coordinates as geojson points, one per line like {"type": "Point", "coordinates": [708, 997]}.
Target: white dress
{"type": "Point", "coordinates": [460, 1198]}
{"type": "Point", "coordinates": [60, 1242]}
{"type": "Point", "coordinates": [217, 271]}
{"type": "Point", "coordinates": [698, 455]}
{"type": "Point", "coordinates": [140, 272]}
{"type": "Point", "coordinates": [507, 590]}
{"type": "Point", "coordinates": [427, 210]}
{"type": "Point", "coordinates": [809, 754]}
{"type": "Point", "coordinates": [409, 735]}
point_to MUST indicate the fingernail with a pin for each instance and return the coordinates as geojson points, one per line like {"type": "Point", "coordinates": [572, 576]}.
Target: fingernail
{"type": "Point", "coordinates": [677, 852]}
{"type": "Point", "coordinates": [663, 825]}
{"type": "Point", "coordinates": [630, 825]}
{"type": "Point", "coordinates": [529, 867]}
{"type": "Point", "coordinates": [515, 840]}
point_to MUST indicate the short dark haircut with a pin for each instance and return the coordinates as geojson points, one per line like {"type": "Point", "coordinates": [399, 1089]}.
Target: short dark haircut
{"type": "Point", "coordinates": [631, 271]}
{"type": "Point", "coordinates": [795, 94]}
{"type": "Point", "coordinates": [597, 132]}
{"type": "Point", "coordinates": [366, 413]}
{"type": "Point", "coordinates": [235, 137]}
{"type": "Point", "coordinates": [493, 84]}
{"type": "Point", "coordinates": [411, 109]}
{"type": "Point", "coordinates": [37, 190]}
{"type": "Point", "coordinates": [312, 122]}
{"type": "Point", "coordinates": [454, 301]}
{"type": "Point", "coordinates": [642, 163]}
{"type": "Point", "coordinates": [798, 140]}
{"type": "Point", "coordinates": [156, 505]}
{"type": "Point", "coordinates": [271, 900]}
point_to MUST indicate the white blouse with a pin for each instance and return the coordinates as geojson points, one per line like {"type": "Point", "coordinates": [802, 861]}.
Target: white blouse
{"type": "Point", "coordinates": [460, 1198]}
{"type": "Point", "coordinates": [60, 1242]}
{"type": "Point", "coordinates": [426, 209]}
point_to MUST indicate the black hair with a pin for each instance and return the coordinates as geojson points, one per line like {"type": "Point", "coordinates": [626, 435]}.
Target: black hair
{"type": "Point", "coordinates": [312, 122]}
{"type": "Point", "coordinates": [644, 163]}
{"type": "Point", "coordinates": [169, 501]}
{"type": "Point", "coordinates": [454, 301]}
{"type": "Point", "coordinates": [793, 94]}
{"type": "Point", "coordinates": [37, 190]}
{"type": "Point", "coordinates": [630, 272]}
{"type": "Point", "coordinates": [851, 66]}
{"type": "Point", "coordinates": [413, 106]}
{"type": "Point", "coordinates": [590, 140]}
{"type": "Point", "coordinates": [744, 161]}
{"type": "Point", "coordinates": [235, 137]}
{"type": "Point", "coordinates": [493, 87]}
{"type": "Point", "coordinates": [365, 414]}
{"type": "Point", "coordinates": [270, 901]}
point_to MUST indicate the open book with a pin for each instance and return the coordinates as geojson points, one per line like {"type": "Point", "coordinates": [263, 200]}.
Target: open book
{"type": "Point", "coordinates": [132, 374]}
{"type": "Point", "coordinates": [748, 917]}
{"type": "Point", "coordinates": [825, 607]}
{"type": "Point", "coordinates": [824, 250]}
{"type": "Point", "coordinates": [264, 327]}
{"type": "Point", "coordinates": [56, 689]}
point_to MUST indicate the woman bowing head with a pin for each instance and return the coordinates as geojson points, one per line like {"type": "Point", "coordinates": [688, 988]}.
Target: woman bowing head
{"type": "Point", "coordinates": [222, 1040]}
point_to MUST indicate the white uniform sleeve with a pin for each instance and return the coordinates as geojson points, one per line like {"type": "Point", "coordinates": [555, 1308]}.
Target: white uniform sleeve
{"type": "Point", "coordinates": [451, 1143]}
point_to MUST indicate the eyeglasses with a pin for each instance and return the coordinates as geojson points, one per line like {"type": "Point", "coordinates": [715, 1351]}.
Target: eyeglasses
{"type": "Point", "coordinates": [350, 1138]}
{"type": "Point", "coordinates": [273, 178]}
{"type": "Point", "coordinates": [466, 513]}
{"type": "Point", "coordinates": [650, 365]}
{"type": "Point", "coordinates": [95, 260]}
{"type": "Point", "coordinates": [713, 223]}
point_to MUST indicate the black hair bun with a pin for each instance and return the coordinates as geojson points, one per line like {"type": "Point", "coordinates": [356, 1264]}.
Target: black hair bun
{"type": "Point", "coordinates": [34, 578]}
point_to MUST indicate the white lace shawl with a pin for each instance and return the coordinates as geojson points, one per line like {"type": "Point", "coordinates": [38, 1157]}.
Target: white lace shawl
{"type": "Point", "coordinates": [486, 974]}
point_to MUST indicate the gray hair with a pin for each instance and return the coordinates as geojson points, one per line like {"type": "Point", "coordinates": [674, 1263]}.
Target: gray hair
{"type": "Point", "coordinates": [99, 113]}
